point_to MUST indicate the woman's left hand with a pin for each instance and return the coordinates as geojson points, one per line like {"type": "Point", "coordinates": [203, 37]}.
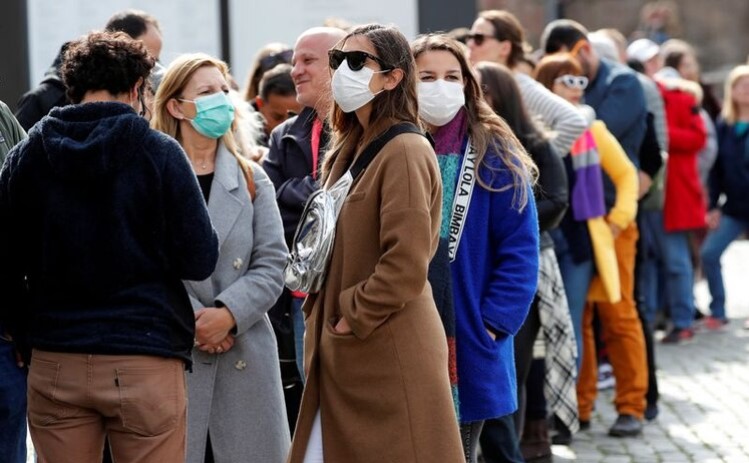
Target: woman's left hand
{"type": "Point", "coordinates": [342, 327]}
{"type": "Point", "coordinates": [212, 324]}
{"type": "Point", "coordinates": [221, 348]}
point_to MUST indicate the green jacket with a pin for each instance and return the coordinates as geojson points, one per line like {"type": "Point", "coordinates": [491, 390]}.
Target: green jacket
{"type": "Point", "coordinates": [11, 132]}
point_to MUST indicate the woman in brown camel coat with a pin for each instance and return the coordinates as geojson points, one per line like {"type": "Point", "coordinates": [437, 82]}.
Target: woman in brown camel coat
{"type": "Point", "coordinates": [376, 354]}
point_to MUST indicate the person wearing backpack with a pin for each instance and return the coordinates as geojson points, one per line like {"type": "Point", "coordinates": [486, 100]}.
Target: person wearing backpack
{"type": "Point", "coordinates": [490, 221]}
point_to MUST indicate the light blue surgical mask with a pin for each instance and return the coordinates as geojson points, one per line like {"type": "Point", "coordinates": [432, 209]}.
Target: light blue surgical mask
{"type": "Point", "coordinates": [213, 114]}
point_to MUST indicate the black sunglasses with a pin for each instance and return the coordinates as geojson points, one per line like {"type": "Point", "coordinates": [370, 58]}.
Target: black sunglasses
{"type": "Point", "coordinates": [355, 59]}
{"type": "Point", "coordinates": [271, 61]}
{"type": "Point", "coordinates": [478, 39]}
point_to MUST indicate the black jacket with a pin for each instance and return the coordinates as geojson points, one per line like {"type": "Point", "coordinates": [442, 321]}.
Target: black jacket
{"type": "Point", "coordinates": [50, 93]}
{"type": "Point", "coordinates": [102, 219]}
{"type": "Point", "coordinates": [551, 191]}
{"type": "Point", "coordinates": [730, 173]}
{"type": "Point", "coordinates": [289, 166]}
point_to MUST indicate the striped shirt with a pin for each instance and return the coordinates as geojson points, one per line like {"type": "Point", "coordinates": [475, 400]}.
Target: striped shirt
{"type": "Point", "coordinates": [555, 113]}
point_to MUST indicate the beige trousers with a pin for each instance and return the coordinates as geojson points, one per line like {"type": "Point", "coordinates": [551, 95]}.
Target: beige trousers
{"type": "Point", "coordinates": [137, 401]}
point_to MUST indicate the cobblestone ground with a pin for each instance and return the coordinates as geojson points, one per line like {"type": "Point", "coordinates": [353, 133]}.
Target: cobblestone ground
{"type": "Point", "coordinates": [704, 385]}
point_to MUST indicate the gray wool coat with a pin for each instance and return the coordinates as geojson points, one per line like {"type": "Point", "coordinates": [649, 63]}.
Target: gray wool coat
{"type": "Point", "coordinates": [237, 396]}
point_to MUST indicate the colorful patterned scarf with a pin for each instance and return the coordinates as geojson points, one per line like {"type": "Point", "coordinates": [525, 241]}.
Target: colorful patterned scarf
{"type": "Point", "coordinates": [448, 141]}
{"type": "Point", "coordinates": [586, 200]}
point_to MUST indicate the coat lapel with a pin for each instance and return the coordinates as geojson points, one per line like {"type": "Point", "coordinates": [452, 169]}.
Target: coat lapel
{"type": "Point", "coordinates": [226, 200]}
{"type": "Point", "coordinates": [224, 207]}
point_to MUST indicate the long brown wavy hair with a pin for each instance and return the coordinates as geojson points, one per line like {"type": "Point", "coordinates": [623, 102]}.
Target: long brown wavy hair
{"type": "Point", "coordinates": [487, 130]}
{"type": "Point", "coordinates": [397, 105]}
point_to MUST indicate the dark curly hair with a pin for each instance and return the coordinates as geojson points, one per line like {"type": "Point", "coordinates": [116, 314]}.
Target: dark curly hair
{"type": "Point", "coordinates": [110, 61]}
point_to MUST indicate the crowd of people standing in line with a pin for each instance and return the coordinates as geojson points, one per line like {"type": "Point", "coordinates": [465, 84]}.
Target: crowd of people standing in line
{"type": "Point", "coordinates": [567, 195]}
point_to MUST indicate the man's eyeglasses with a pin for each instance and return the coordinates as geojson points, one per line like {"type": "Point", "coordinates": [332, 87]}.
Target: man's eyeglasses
{"type": "Point", "coordinates": [479, 39]}
{"type": "Point", "coordinates": [570, 81]}
{"type": "Point", "coordinates": [355, 59]}
{"type": "Point", "coordinates": [271, 61]}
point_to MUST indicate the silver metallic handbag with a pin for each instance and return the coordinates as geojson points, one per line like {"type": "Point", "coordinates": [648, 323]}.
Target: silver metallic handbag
{"type": "Point", "coordinates": [308, 260]}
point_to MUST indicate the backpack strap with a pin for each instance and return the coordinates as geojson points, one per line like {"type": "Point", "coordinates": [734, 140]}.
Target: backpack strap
{"type": "Point", "coordinates": [378, 143]}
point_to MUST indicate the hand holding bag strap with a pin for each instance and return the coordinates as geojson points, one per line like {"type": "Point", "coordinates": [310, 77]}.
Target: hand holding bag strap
{"type": "Point", "coordinates": [377, 144]}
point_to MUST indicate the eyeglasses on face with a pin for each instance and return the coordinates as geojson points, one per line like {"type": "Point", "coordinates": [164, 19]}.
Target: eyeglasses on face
{"type": "Point", "coordinates": [271, 61]}
{"type": "Point", "coordinates": [356, 59]}
{"type": "Point", "coordinates": [479, 39]}
{"type": "Point", "coordinates": [570, 81]}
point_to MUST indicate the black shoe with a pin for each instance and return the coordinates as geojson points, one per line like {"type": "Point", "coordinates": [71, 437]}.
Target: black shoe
{"type": "Point", "coordinates": [626, 426]}
{"type": "Point", "coordinates": [584, 425]}
{"type": "Point", "coordinates": [563, 435]}
{"type": "Point", "coordinates": [651, 412]}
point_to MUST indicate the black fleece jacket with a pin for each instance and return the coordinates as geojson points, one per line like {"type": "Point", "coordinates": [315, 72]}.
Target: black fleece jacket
{"type": "Point", "coordinates": [102, 218]}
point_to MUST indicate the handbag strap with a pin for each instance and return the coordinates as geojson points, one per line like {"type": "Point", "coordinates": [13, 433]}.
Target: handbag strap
{"type": "Point", "coordinates": [377, 144]}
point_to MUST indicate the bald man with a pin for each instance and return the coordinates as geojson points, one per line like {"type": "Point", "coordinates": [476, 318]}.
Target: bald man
{"type": "Point", "coordinates": [293, 165]}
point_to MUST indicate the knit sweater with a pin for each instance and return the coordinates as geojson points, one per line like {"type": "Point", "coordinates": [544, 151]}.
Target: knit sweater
{"type": "Point", "coordinates": [494, 278]}
{"type": "Point", "coordinates": [107, 220]}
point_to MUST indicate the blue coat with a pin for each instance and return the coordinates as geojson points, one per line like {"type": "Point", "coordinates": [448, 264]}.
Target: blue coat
{"type": "Point", "coordinates": [494, 278]}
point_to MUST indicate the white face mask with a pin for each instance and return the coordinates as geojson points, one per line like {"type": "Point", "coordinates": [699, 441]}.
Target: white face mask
{"type": "Point", "coordinates": [351, 88]}
{"type": "Point", "coordinates": [440, 101]}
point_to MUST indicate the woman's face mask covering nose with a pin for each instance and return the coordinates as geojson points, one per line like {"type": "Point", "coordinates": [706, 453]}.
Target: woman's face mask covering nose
{"type": "Point", "coordinates": [213, 114]}
{"type": "Point", "coordinates": [440, 101]}
{"type": "Point", "coordinates": [351, 88]}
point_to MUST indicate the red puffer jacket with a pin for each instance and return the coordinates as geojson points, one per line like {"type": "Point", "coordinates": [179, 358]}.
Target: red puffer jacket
{"type": "Point", "coordinates": [684, 207]}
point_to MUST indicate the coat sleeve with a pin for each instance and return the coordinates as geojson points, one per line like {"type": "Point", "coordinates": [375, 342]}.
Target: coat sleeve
{"type": "Point", "coordinates": [291, 193]}
{"type": "Point", "coordinates": [686, 129]}
{"type": "Point", "coordinates": [552, 190]}
{"type": "Point", "coordinates": [514, 278]}
{"type": "Point", "coordinates": [620, 107]}
{"type": "Point", "coordinates": [12, 274]}
{"type": "Point", "coordinates": [557, 114]}
{"type": "Point", "coordinates": [410, 205]}
{"type": "Point", "coordinates": [14, 132]}
{"type": "Point", "coordinates": [192, 243]}
{"type": "Point", "coordinates": [715, 177]}
{"type": "Point", "coordinates": [621, 171]}
{"type": "Point", "coordinates": [250, 297]}
{"type": "Point", "coordinates": [651, 157]}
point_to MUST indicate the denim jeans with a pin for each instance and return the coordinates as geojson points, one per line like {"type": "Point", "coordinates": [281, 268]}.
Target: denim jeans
{"type": "Point", "coordinates": [500, 444]}
{"type": "Point", "coordinates": [715, 244]}
{"type": "Point", "coordinates": [298, 318]}
{"type": "Point", "coordinates": [576, 277]}
{"type": "Point", "coordinates": [651, 275]}
{"type": "Point", "coordinates": [679, 279]}
{"type": "Point", "coordinates": [12, 406]}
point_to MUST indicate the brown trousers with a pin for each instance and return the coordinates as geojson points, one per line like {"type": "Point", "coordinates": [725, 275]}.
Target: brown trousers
{"type": "Point", "coordinates": [137, 401]}
{"type": "Point", "coordinates": [622, 333]}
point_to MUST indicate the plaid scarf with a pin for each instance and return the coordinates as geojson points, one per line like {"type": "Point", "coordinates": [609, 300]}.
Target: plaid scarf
{"type": "Point", "coordinates": [561, 349]}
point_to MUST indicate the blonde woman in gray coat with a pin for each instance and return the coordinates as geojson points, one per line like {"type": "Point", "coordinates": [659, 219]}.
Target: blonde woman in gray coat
{"type": "Point", "coordinates": [236, 408]}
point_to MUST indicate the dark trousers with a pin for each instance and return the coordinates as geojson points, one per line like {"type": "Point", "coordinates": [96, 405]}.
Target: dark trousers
{"type": "Point", "coordinates": [499, 441]}
{"type": "Point", "coordinates": [12, 406]}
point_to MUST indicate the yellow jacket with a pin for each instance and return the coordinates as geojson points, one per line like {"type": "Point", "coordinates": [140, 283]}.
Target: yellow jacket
{"type": "Point", "coordinates": [605, 286]}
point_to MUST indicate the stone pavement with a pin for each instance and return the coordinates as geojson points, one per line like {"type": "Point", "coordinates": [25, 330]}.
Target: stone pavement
{"type": "Point", "coordinates": [704, 385]}
{"type": "Point", "coordinates": [704, 406]}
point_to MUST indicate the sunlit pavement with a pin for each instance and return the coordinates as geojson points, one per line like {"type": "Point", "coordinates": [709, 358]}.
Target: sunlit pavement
{"type": "Point", "coordinates": [704, 385]}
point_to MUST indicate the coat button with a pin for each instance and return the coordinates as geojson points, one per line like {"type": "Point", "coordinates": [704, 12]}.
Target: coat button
{"type": "Point", "coordinates": [238, 263]}
{"type": "Point", "coordinates": [240, 365]}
